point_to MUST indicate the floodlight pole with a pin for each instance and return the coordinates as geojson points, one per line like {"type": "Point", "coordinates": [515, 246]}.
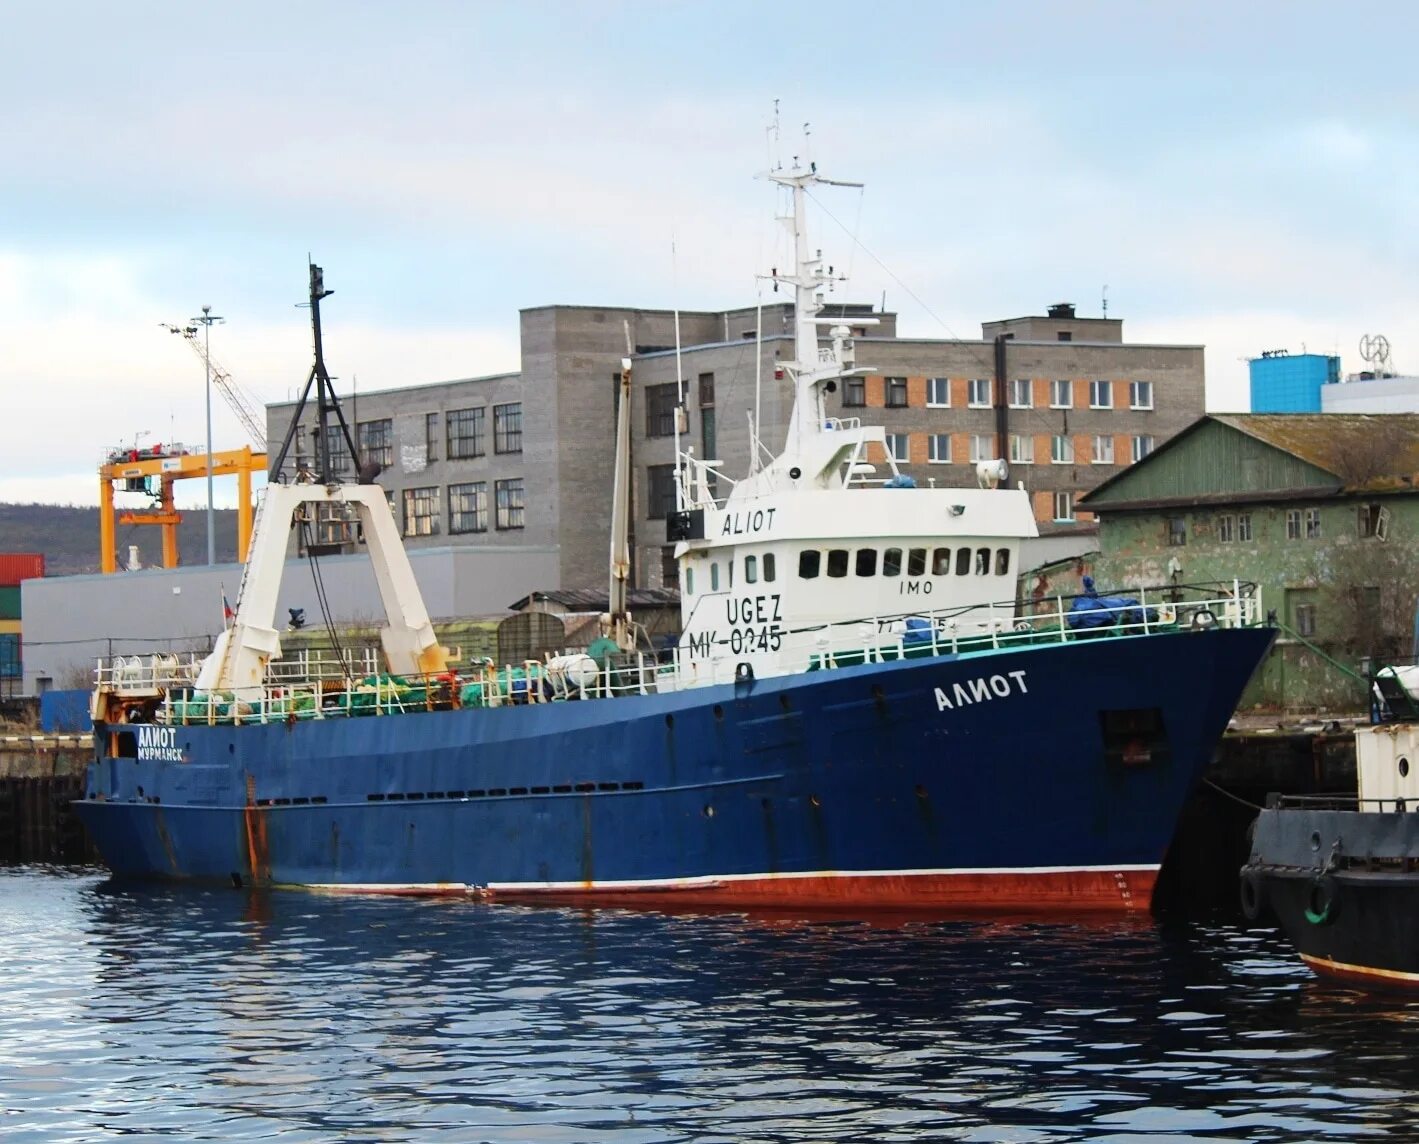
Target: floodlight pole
{"type": "Point", "coordinates": [207, 319]}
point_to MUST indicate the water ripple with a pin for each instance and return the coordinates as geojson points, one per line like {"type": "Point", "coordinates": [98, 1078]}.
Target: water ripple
{"type": "Point", "coordinates": [195, 1014]}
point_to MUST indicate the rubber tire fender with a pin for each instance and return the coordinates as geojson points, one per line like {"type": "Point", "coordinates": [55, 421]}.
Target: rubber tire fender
{"type": "Point", "coordinates": [1322, 903]}
{"type": "Point", "coordinates": [1253, 896]}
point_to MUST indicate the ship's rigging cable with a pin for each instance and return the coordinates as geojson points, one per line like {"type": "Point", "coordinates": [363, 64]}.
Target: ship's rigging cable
{"type": "Point", "coordinates": [324, 603]}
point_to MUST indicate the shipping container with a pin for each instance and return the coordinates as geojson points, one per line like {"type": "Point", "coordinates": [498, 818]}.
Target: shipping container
{"type": "Point", "coordinates": [10, 603]}
{"type": "Point", "coordinates": [17, 566]}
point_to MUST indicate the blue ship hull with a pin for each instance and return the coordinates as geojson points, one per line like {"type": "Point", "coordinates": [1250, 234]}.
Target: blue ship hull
{"type": "Point", "coordinates": [1040, 777]}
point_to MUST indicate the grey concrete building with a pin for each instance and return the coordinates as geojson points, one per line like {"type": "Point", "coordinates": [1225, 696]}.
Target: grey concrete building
{"type": "Point", "coordinates": [524, 461]}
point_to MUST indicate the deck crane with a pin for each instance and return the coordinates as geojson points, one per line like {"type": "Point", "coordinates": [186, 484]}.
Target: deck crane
{"type": "Point", "coordinates": [240, 403]}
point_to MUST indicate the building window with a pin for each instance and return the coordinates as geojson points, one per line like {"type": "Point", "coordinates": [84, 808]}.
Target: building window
{"type": "Point", "coordinates": [938, 448]}
{"type": "Point", "coordinates": [1312, 524]}
{"type": "Point", "coordinates": [507, 428]}
{"type": "Point", "coordinates": [1064, 335]}
{"type": "Point", "coordinates": [896, 393]}
{"type": "Point", "coordinates": [660, 402]}
{"type": "Point", "coordinates": [706, 387]}
{"type": "Point", "coordinates": [854, 392]}
{"type": "Point", "coordinates": [431, 437]}
{"type": "Point", "coordinates": [1373, 520]}
{"type": "Point", "coordinates": [1293, 524]}
{"type": "Point", "coordinates": [376, 441]}
{"type": "Point", "coordinates": [509, 497]}
{"type": "Point", "coordinates": [1142, 446]}
{"type": "Point", "coordinates": [1301, 604]}
{"type": "Point", "coordinates": [337, 452]}
{"type": "Point", "coordinates": [1177, 531]}
{"type": "Point", "coordinates": [982, 447]}
{"type": "Point", "coordinates": [1064, 506]}
{"type": "Point", "coordinates": [938, 392]}
{"type": "Point", "coordinates": [1061, 394]}
{"type": "Point", "coordinates": [978, 393]}
{"type": "Point", "coordinates": [465, 434]}
{"type": "Point", "coordinates": [669, 567]}
{"type": "Point", "coordinates": [660, 491]}
{"type": "Point", "coordinates": [1103, 449]}
{"type": "Point", "coordinates": [421, 511]}
{"type": "Point", "coordinates": [1101, 395]}
{"type": "Point", "coordinates": [1244, 526]}
{"type": "Point", "coordinates": [898, 447]}
{"type": "Point", "coordinates": [331, 527]}
{"type": "Point", "coordinates": [1140, 395]}
{"type": "Point", "coordinates": [1020, 395]}
{"type": "Point", "coordinates": [1022, 449]}
{"type": "Point", "coordinates": [1226, 528]}
{"type": "Point", "coordinates": [468, 507]}
{"type": "Point", "coordinates": [1061, 450]}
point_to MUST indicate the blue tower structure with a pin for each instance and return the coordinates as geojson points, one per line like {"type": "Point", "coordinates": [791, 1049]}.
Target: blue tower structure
{"type": "Point", "coordinates": [1290, 383]}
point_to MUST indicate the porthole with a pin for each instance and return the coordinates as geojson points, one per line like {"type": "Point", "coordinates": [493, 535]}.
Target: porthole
{"type": "Point", "coordinates": [1403, 767]}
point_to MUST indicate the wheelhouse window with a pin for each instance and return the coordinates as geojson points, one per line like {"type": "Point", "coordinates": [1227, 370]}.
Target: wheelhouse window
{"type": "Point", "coordinates": [376, 441]}
{"type": "Point", "coordinates": [465, 433]}
{"type": "Point", "coordinates": [837, 563]}
{"type": "Point", "coordinates": [938, 392]}
{"type": "Point", "coordinates": [509, 497]}
{"type": "Point", "coordinates": [421, 511]}
{"type": "Point", "coordinates": [982, 561]}
{"type": "Point", "coordinates": [866, 562]}
{"type": "Point", "coordinates": [978, 393]}
{"type": "Point", "coordinates": [941, 562]}
{"type": "Point", "coordinates": [896, 393]}
{"type": "Point", "coordinates": [1002, 562]}
{"type": "Point", "coordinates": [751, 569]}
{"type": "Point", "coordinates": [468, 507]}
{"type": "Point", "coordinates": [916, 562]}
{"type": "Point", "coordinates": [770, 572]}
{"type": "Point", "coordinates": [507, 428]}
{"type": "Point", "coordinates": [809, 563]}
{"type": "Point", "coordinates": [963, 562]}
{"type": "Point", "coordinates": [892, 562]}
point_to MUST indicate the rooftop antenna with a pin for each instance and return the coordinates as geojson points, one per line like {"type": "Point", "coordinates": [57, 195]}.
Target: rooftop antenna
{"type": "Point", "coordinates": [1106, 299]}
{"type": "Point", "coordinates": [775, 155]}
{"type": "Point", "coordinates": [1374, 348]}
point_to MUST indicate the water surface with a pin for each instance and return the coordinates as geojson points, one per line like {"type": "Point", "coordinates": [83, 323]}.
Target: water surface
{"type": "Point", "coordinates": [215, 1014]}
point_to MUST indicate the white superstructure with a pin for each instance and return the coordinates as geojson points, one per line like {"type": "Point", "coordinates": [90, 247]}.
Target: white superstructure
{"type": "Point", "coordinates": [819, 536]}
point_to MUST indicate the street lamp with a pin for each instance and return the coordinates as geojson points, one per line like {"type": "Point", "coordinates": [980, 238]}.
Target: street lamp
{"type": "Point", "coordinates": [207, 319]}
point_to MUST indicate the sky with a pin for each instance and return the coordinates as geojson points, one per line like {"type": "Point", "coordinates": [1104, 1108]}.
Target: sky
{"type": "Point", "coordinates": [1240, 176]}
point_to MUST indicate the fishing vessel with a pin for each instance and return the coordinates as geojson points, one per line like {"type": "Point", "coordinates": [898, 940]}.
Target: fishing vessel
{"type": "Point", "coordinates": [1341, 873]}
{"type": "Point", "coordinates": [858, 713]}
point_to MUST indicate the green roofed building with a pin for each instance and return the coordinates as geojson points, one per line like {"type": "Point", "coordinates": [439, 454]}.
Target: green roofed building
{"type": "Point", "coordinates": [1319, 510]}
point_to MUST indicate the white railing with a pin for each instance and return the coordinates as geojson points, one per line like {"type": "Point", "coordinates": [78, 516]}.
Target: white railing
{"type": "Point", "coordinates": [322, 684]}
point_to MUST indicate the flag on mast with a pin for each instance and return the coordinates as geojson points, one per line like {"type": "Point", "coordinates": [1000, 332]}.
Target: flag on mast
{"type": "Point", "coordinates": [227, 614]}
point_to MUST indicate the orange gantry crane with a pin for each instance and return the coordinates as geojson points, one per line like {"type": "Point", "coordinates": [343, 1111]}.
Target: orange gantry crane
{"type": "Point", "coordinates": [139, 468]}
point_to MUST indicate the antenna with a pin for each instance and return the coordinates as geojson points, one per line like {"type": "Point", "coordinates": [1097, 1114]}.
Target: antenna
{"type": "Point", "coordinates": [1106, 299]}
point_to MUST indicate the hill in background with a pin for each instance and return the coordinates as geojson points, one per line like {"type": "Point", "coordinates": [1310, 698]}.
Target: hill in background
{"type": "Point", "coordinates": [68, 535]}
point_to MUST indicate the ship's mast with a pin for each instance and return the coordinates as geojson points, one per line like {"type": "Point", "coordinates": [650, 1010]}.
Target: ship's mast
{"type": "Point", "coordinates": [810, 368]}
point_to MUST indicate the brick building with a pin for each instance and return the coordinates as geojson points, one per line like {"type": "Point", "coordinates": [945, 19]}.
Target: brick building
{"type": "Point", "coordinates": [524, 461]}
